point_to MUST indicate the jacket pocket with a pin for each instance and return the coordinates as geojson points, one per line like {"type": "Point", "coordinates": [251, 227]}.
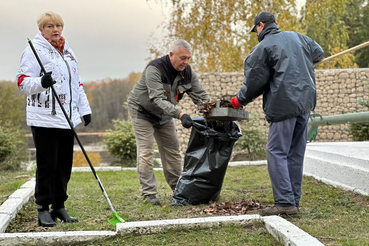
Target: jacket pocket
{"type": "Point", "coordinates": [181, 90]}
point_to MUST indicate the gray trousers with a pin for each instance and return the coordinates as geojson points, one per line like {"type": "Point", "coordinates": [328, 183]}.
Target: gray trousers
{"type": "Point", "coordinates": [169, 149]}
{"type": "Point", "coordinates": [285, 155]}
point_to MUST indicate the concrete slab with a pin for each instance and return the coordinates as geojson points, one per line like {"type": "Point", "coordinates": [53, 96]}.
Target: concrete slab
{"type": "Point", "coordinates": [339, 156]}
{"type": "Point", "coordinates": [29, 184]}
{"type": "Point", "coordinates": [357, 150]}
{"type": "Point", "coordinates": [288, 233]}
{"type": "Point", "coordinates": [156, 226]}
{"type": "Point", "coordinates": [49, 238]}
{"type": "Point", "coordinates": [343, 164]}
{"type": "Point", "coordinates": [279, 228]}
{"type": "Point", "coordinates": [23, 194]}
{"type": "Point", "coordinates": [88, 169]}
{"type": "Point", "coordinates": [102, 169]}
{"type": "Point", "coordinates": [4, 222]}
{"type": "Point", "coordinates": [247, 163]}
{"type": "Point", "coordinates": [11, 207]}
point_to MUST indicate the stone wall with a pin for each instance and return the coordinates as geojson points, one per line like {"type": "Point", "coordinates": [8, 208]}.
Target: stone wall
{"type": "Point", "coordinates": [338, 91]}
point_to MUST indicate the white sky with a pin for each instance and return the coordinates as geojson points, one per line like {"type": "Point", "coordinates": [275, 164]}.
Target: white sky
{"type": "Point", "coordinates": [109, 37]}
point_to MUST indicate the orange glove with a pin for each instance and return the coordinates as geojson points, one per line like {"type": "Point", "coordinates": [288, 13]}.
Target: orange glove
{"type": "Point", "coordinates": [234, 103]}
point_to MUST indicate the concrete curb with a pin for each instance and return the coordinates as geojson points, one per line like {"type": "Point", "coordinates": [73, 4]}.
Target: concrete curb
{"type": "Point", "coordinates": [99, 169]}
{"type": "Point", "coordinates": [289, 234]}
{"type": "Point", "coordinates": [156, 226]}
{"type": "Point", "coordinates": [49, 238]}
{"type": "Point", "coordinates": [282, 230]}
{"type": "Point", "coordinates": [10, 208]}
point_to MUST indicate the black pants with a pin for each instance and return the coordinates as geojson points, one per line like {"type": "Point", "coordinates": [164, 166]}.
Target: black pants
{"type": "Point", "coordinates": [54, 157]}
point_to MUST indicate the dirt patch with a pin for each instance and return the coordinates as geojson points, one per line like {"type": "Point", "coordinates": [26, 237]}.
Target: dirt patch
{"type": "Point", "coordinates": [246, 157]}
{"type": "Point", "coordinates": [239, 207]}
{"type": "Point", "coordinates": [26, 219]}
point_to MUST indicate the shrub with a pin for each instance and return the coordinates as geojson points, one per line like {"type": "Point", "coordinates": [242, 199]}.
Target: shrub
{"type": "Point", "coordinates": [120, 141]}
{"type": "Point", "coordinates": [360, 131]}
{"type": "Point", "coordinates": [13, 144]}
{"type": "Point", "coordinates": [12, 148]}
{"type": "Point", "coordinates": [253, 140]}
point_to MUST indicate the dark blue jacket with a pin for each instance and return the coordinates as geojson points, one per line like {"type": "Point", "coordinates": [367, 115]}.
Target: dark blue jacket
{"type": "Point", "coordinates": [281, 67]}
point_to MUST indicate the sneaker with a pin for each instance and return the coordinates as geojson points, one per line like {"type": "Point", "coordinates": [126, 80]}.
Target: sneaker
{"type": "Point", "coordinates": [151, 199]}
{"type": "Point", "coordinates": [279, 210]}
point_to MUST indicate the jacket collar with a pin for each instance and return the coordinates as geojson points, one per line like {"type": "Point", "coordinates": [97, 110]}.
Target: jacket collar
{"type": "Point", "coordinates": [267, 30]}
{"type": "Point", "coordinates": [40, 40]}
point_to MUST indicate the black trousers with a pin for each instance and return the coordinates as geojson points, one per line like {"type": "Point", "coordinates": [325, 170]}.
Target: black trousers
{"type": "Point", "coordinates": [54, 157]}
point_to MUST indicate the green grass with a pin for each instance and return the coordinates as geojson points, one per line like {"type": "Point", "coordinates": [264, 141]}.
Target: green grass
{"type": "Point", "coordinates": [334, 216]}
{"type": "Point", "coordinates": [10, 181]}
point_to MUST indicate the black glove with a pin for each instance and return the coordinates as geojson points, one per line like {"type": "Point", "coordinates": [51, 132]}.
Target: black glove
{"type": "Point", "coordinates": [186, 121]}
{"type": "Point", "coordinates": [47, 80]}
{"type": "Point", "coordinates": [87, 119]}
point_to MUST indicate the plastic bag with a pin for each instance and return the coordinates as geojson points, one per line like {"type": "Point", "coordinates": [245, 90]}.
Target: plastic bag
{"type": "Point", "coordinates": [206, 160]}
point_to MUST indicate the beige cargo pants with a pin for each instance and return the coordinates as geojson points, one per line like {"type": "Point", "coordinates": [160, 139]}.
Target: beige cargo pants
{"type": "Point", "coordinates": [169, 150]}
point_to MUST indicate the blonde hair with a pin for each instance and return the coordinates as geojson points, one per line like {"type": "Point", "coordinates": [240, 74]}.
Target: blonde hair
{"type": "Point", "coordinates": [44, 18]}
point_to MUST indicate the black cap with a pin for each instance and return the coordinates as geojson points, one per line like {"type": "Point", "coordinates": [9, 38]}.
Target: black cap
{"type": "Point", "coordinates": [264, 17]}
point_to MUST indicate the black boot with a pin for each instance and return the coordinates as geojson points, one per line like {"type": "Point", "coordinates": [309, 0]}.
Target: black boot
{"type": "Point", "coordinates": [62, 214]}
{"type": "Point", "coordinates": [44, 217]}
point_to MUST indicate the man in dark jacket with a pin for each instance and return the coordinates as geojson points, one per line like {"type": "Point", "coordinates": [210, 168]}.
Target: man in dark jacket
{"type": "Point", "coordinates": [152, 107]}
{"type": "Point", "coordinates": [281, 67]}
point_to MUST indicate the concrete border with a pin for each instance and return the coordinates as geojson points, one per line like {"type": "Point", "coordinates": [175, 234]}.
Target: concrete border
{"type": "Point", "coordinates": [157, 226]}
{"type": "Point", "coordinates": [282, 230]}
{"type": "Point", "coordinates": [10, 208]}
{"type": "Point", "coordinates": [49, 238]}
{"type": "Point", "coordinates": [286, 232]}
{"type": "Point", "coordinates": [279, 228]}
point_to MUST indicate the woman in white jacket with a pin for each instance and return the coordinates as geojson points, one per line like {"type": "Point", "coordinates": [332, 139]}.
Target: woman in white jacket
{"type": "Point", "coordinates": [53, 138]}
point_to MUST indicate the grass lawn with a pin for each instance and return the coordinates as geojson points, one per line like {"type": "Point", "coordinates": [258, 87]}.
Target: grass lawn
{"type": "Point", "coordinates": [333, 216]}
{"type": "Point", "coordinates": [11, 181]}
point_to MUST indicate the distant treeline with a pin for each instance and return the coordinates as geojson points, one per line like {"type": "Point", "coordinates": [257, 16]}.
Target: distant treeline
{"type": "Point", "coordinates": [106, 99]}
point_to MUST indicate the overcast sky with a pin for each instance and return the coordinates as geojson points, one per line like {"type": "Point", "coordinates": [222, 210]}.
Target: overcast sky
{"type": "Point", "coordinates": [108, 37]}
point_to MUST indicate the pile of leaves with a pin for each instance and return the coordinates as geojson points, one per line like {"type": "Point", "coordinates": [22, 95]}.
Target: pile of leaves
{"type": "Point", "coordinates": [239, 207]}
{"type": "Point", "coordinates": [205, 107]}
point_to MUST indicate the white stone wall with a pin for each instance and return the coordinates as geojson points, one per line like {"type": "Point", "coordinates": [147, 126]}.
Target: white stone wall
{"type": "Point", "coordinates": [338, 91]}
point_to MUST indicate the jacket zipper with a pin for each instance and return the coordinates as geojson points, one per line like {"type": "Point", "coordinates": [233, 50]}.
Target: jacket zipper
{"type": "Point", "coordinates": [70, 86]}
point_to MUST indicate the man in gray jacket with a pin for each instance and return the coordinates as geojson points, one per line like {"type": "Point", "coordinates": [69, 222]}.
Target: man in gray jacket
{"type": "Point", "coordinates": [152, 107]}
{"type": "Point", "coordinates": [281, 67]}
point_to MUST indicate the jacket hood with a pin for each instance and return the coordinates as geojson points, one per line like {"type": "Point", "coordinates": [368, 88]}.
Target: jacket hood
{"type": "Point", "coordinates": [267, 30]}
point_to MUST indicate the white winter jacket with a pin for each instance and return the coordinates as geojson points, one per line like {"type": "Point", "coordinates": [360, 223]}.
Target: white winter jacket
{"type": "Point", "coordinates": [68, 86]}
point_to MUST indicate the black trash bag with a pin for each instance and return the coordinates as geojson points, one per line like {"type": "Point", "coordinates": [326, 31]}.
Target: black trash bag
{"type": "Point", "coordinates": [208, 153]}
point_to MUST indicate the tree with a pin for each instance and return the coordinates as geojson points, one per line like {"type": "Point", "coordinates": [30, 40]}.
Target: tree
{"type": "Point", "coordinates": [106, 101]}
{"type": "Point", "coordinates": [356, 19]}
{"type": "Point", "coordinates": [218, 29]}
{"type": "Point", "coordinates": [322, 20]}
